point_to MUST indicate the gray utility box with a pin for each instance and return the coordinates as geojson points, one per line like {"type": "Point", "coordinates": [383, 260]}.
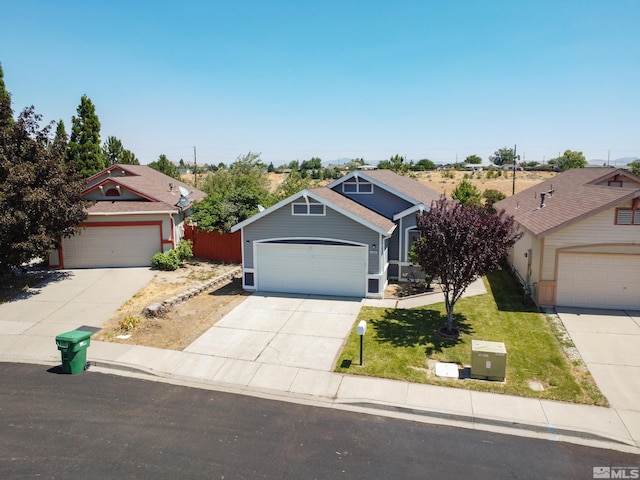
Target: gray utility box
{"type": "Point", "coordinates": [488, 360]}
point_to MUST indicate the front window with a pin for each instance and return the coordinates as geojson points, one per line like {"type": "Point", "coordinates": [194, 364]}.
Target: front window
{"type": "Point", "coordinates": [357, 187]}
{"type": "Point", "coordinates": [627, 216]}
{"type": "Point", "coordinates": [308, 209]}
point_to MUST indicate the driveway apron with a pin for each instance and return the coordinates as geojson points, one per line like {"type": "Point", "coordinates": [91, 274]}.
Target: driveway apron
{"type": "Point", "coordinates": [67, 300]}
{"type": "Point", "coordinates": [609, 343]}
{"type": "Point", "coordinates": [302, 331]}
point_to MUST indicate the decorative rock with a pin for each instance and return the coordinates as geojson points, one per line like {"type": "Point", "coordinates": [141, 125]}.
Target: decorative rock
{"type": "Point", "coordinates": [153, 310]}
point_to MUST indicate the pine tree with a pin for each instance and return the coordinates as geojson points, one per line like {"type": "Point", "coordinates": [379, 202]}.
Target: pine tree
{"type": "Point", "coordinates": [6, 113]}
{"type": "Point", "coordinates": [84, 149]}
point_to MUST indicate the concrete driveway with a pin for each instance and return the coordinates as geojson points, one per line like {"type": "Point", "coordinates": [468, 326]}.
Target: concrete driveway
{"type": "Point", "coordinates": [67, 300]}
{"type": "Point", "coordinates": [609, 343]}
{"type": "Point", "coordinates": [303, 331]}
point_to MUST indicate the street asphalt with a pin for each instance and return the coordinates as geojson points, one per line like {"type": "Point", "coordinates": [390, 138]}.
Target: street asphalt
{"type": "Point", "coordinates": [285, 346]}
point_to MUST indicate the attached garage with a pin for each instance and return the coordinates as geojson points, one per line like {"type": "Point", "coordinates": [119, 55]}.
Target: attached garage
{"type": "Point", "coordinates": [321, 269]}
{"type": "Point", "coordinates": [116, 245]}
{"type": "Point", "coordinates": [616, 283]}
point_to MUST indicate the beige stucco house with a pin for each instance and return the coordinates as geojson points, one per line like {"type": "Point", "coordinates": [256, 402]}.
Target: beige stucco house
{"type": "Point", "coordinates": [581, 244]}
{"type": "Point", "coordinates": [136, 212]}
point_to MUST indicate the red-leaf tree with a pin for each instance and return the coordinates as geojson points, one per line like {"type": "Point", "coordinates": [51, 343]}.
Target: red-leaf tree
{"type": "Point", "coordinates": [459, 243]}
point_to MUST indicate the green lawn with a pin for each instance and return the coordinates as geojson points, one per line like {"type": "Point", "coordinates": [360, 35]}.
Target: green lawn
{"type": "Point", "coordinates": [399, 342]}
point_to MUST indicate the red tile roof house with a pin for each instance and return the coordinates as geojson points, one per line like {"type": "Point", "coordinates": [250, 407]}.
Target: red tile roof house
{"type": "Point", "coordinates": [581, 246]}
{"type": "Point", "coordinates": [347, 239]}
{"type": "Point", "coordinates": [138, 212]}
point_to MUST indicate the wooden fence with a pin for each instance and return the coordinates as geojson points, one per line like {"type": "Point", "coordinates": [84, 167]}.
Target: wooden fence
{"type": "Point", "coordinates": [220, 247]}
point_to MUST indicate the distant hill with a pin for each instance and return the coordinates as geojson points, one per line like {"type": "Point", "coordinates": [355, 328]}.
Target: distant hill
{"type": "Point", "coordinates": [616, 162]}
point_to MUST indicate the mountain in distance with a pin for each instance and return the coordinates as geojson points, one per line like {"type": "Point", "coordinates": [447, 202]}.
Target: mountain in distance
{"type": "Point", "coordinates": [616, 162]}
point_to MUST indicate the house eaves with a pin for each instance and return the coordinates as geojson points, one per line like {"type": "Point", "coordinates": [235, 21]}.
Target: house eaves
{"type": "Point", "coordinates": [416, 208]}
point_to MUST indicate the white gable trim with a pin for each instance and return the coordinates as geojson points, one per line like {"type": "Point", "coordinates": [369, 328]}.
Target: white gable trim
{"type": "Point", "coordinates": [363, 175]}
{"type": "Point", "coordinates": [308, 194]}
{"type": "Point", "coordinates": [416, 208]}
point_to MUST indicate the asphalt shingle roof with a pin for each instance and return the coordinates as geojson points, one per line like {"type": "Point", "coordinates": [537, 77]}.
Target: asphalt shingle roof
{"type": "Point", "coordinates": [575, 196]}
{"type": "Point", "coordinates": [154, 186]}
{"type": "Point", "coordinates": [404, 185]}
{"type": "Point", "coordinates": [354, 208]}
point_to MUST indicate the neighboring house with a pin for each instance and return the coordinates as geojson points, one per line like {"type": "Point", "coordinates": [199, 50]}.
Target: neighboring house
{"type": "Point", "coordinates": [346, 239]}
{"type": "Point", "coordinates": [138, 212]}
{"type": "Point", "coordinates": [582, 239]}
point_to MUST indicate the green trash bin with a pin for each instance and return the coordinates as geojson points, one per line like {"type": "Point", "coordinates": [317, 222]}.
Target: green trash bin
{"type": "Point", "coordinates": [73, 347]}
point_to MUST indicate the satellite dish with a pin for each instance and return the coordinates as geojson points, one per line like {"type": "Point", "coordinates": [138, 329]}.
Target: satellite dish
{"type": "Point", "coordinates": [183, 191]}
{"type": "Point", "coordinates": [184, 201]}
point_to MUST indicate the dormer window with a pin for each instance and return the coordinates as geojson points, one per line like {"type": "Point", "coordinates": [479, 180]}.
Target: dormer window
{"type": "Point", "coordinates": [112, 192]}
{"type": "Point", "coordinates": [357, 187]}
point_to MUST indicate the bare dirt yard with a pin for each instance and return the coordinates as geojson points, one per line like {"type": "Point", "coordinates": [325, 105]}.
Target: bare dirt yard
{"type": "Point", "coordinates": [178, 326]}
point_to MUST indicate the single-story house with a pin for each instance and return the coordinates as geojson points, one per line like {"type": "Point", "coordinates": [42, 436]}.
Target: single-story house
{"type": "Point", "coordinates": [581, 244]}
{"type": "Point", "coordinates": [136, 212]}
{"type": "Point", "coordinates": [348, 238]}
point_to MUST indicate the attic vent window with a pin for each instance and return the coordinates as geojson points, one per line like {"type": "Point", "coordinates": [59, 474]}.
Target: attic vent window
{"type": "Point", "coordinates": [307, 209]}
{"type": "Point", "coordinates": [615, 183]}
{"type": "Point", "coordinates": [357, 187]}
{"type": "Point", "coordinates": [112, 192]}
{"type": "Point", "coordinates": [627, 216]}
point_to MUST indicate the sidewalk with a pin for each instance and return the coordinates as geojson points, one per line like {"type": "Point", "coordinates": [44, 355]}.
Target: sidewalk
{"type": "Point", "coordinates": [582, 424]}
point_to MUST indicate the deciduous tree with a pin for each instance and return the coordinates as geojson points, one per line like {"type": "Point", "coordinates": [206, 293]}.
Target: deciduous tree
{"type": "Point", "coordinates": [40, 193]}
{"type": "Point", "coordinates": [165, 166]}
{"type": "Point", "coordinates": [569, 159]}
{"type": "Point", "coordinates": [503, 156]}
{"type": "Point", "coordinates": [473, 160]}
{"type": "Point", "coordinates": [635, 167]}
{"type": "Point", "coordinates": [460, 243]}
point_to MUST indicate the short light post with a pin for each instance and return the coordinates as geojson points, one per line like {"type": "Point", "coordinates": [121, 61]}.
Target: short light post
{"type": "Point", "coordinates": [362, 328]}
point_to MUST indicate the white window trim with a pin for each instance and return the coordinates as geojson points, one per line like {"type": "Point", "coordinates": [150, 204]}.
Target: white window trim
{"type": "Point", "coordinates": [358, 184]}
{"type": "Point", "coordinates": [308, 210]}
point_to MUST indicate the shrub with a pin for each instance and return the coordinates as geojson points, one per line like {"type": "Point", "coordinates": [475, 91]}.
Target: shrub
{"type": "Point", "coordinates": [128, 323]}
{"type": "Point", "coordinates": [184, 250]}
{"type": "Point", "coordinates": [168, 261]}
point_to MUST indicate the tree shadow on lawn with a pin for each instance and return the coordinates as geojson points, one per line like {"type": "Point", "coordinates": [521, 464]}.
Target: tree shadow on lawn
{"type": "Point", "coordinates": [412, 327]}
{"type": "Point", "coordinates": [508, 292]}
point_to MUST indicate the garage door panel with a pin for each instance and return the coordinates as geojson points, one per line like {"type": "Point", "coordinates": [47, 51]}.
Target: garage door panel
{"type": "Point", "coordinates": [117, 246]}
{"type": "Point", "coordinates": [599, 281]}
{"type": "Point", "coordinates": [317, 269]}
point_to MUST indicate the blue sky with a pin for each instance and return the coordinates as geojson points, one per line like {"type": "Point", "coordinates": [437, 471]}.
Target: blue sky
{"type": "Point", "coordinates": [334, 79]}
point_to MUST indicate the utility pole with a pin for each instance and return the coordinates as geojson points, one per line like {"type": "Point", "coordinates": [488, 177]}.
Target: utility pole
{"type": "Point", "coordinates": [513, 192]}
{"type": "Point", "coordinates": [195, 168]}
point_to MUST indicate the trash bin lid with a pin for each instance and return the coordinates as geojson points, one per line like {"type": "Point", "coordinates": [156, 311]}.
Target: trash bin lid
{"type": "Point", "coordinates": [74, 336]}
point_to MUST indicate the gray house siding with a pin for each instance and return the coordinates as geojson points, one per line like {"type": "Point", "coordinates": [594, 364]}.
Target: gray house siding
{"type": "Point", "coordinates": [380, 201]}
{"type": "Point", "coordinates": [282, 224]}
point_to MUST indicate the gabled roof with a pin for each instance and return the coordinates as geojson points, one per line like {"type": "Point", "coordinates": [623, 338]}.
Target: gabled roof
{"type": "Point", "coordinates": [570, 197]}
{"type": "Point", "coordinates": [146, 183]}
{"type": "Point", "coordinates": [335, 201]}
{"type": "Point", "coordinates": [404, 187]}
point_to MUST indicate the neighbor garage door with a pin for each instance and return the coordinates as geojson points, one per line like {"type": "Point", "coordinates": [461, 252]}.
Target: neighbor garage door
{"type": "Point", "coordinates": [599, 281]}
{"type": "Point", "coordinates": [316, 269]}
{"type": "Point", "coordinates": [117, 246]}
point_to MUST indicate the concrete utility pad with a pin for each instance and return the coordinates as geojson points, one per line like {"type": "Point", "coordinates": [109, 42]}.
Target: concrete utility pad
{"type": "Point", "coordinates": [291, 330]}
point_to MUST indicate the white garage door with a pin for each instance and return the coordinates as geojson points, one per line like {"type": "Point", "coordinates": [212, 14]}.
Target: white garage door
{"type": "Point", "coordinates": [317, 269]}
{"type": "Point", "coordinates": [117, 246]}
{"type": "Point", "coordinates": [599, 281]}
